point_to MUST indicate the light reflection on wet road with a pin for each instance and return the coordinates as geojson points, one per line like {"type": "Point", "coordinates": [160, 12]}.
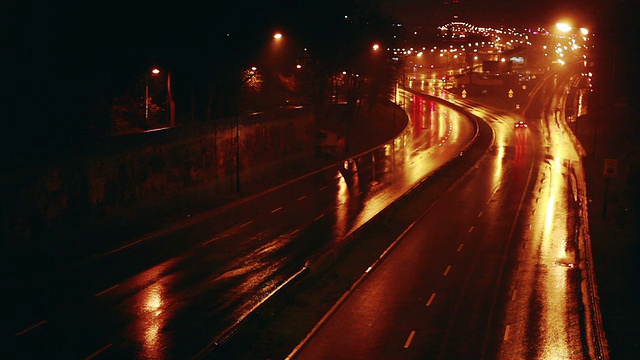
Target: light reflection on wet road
{"type": "Point", "coordinates": [511, 284]}
{"type": "Point", "coordinates": [366, 185]}
{"type": "Point", "coordinates": [544, 314]}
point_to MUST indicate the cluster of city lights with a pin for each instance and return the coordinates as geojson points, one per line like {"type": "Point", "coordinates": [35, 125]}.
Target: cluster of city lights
{"type": "Point", "coordinates": [501, 39]}
{"type": "Point", "coordinates": [458, 29]}
{"type": "Point", "coordinates": [569, 43]}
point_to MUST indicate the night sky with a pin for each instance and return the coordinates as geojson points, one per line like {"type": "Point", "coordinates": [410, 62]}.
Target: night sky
{"type": "Point", "coordinates": [494, 12]}
{"type": "Point", "coordinates": [63, 54]}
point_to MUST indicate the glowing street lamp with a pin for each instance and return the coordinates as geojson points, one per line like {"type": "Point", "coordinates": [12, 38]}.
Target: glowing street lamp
{"type": "Point", "coordinates": [563, 27]}
{"type": "Point", "coordinates": [571, 32]}
{"type": "Point", "coordinates": [154, 71]}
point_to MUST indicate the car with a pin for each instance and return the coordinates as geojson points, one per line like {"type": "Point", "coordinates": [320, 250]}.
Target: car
{"type": "Point", "coordinates": [521, 124]}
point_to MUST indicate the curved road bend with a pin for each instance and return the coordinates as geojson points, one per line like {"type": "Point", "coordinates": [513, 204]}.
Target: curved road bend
{"type": "Point", "coordinates": [172, 294]}
{"type": "Point", "coordinates": [489, 271]}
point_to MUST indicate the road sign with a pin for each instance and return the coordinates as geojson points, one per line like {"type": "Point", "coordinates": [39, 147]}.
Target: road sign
{"type": "Point", "coordinates": [611, 167]}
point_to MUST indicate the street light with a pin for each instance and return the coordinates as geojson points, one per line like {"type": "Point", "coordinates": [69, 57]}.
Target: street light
{"type": "Point", "coordinates": [154, 71]}
{"type": "Point", "coordinates": [571, 34]}
{"type": "Point", "coordinates": [171, 104]}
{"type": "Point", "coordinates": [564, 27]}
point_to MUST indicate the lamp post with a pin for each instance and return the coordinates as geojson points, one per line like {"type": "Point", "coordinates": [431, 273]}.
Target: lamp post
{"type": "Point", "coordinates": [277, 39]}
{"type": "Point", "coordinates": [154, 71]}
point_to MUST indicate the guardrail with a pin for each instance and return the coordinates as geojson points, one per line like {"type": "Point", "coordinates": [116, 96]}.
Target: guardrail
{"type": "Point", "coordinates": [325, 257]}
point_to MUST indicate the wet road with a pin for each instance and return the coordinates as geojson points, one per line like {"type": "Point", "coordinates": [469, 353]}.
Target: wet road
{"type": "Point", "coordinates": [490, 271]}
{"type": "Point", "coordinates": [544, 317]}
{"type": "Point", "coordinates": [173, 294]}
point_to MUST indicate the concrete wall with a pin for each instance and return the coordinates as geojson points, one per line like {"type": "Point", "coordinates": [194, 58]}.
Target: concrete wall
{"type": "Point", "coordinates": [122, 175]}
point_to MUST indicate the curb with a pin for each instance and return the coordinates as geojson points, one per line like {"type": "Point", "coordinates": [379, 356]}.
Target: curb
{"type": "Point", "coordinates": [235, 327]}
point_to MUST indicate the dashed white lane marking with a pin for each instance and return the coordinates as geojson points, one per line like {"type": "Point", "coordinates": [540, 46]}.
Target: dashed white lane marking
{"type": "Point", "coordinates": [506, 332]}
{"type": "Point", "coordinates": [471, 229]}
{"type": "Point", "coordinates": [98, 352]}
{"type": "Point", "coordinates": [301, 197]}
{"type": "Point", "coordinates": [319, 217]}
{"type": "Point", "coordinates": [276, 210]}
{"type": "Point", "coordinates": [480, 214]}
{"type": "Point", "coordinates": [408, 342]}
{"type": "Point", "coordinates": [433, 296]}
{"type": "Point", "coordinates": [460, 247]}
{"type": "Point", "coordinates": [322, 188]}
{"type": "Point", "coordinates": [447, 270]}
{"type": "Point", "coordinates": [210, 240]}
{"type": "Point", "coordinates": [31, 328]}
{"type": "Point", "coordinates": [245, 224]}
{"type": "Point", "coordinates": [107, 290]}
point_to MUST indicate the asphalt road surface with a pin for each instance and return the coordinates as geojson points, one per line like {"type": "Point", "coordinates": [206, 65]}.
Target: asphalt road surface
{"type": "Point", "coordinates": [491, 270]}
{"type": "Point", "coordinates": [172, 293]}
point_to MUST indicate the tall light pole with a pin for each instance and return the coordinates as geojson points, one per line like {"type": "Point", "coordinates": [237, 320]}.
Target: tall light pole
{"type": "Point", "coordinates": [154, 71]}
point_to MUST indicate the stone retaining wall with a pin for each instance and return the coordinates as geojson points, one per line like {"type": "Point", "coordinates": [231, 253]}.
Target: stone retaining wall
{"type": "Point", "coordinates": [122, 174]}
